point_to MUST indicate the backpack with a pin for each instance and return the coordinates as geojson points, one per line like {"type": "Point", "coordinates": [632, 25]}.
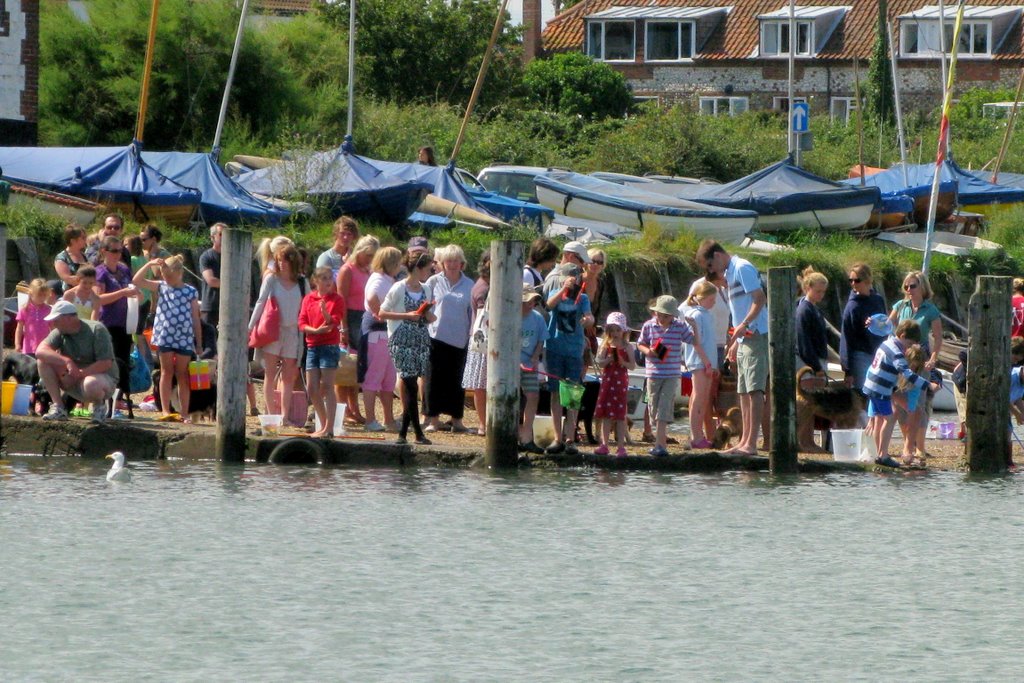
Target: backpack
{"type": "Point", "coordinates": [139, 376]}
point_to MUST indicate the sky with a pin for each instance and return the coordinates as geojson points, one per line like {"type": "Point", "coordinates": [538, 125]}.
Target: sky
{"type": "Point", "coordinates": [515, 8]}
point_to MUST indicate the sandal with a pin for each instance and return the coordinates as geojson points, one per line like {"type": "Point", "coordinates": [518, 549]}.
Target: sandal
{"type": "Point", "coordinates": [170, 417]}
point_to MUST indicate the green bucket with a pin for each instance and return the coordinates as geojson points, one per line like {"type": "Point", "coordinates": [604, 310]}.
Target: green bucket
{"type": "Point", "coordinates": [570, 394]}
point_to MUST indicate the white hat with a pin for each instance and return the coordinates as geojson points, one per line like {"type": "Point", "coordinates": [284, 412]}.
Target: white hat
{"type": "Point", "coordinates": [579, 249]}
{"type": "Point", "coordinates": [61, 308]}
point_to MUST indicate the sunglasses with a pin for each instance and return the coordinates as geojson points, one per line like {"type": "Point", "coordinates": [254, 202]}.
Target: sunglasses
{"type": "Point", "coordinates": [115, 250]}
{"type": "Point", "coordinates": [855, 280]}
{"type": "Point", "coordinates": [910, 287]}
{"type": "Point", "coordinates": [598, 263]}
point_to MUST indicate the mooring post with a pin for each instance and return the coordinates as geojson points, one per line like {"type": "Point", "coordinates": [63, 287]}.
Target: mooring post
{"type": "Point", "coordinates": [233, 343]}
{"type": "Point", "coordinates": [988, 375]}
{"type": "Point", "coordinates": [504, 330]}
{"type": "Point", "coordinates": [782, 459]}
{"type": "Point", "coordinates": [3, 286]}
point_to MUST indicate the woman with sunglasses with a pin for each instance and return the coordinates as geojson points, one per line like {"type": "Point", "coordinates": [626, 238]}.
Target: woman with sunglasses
{"type": "Point", "coordinates": [917, 305]}
{"type": "Point", "coordinates": [114, 287]}
{"type": "Point", "coordinates": [407, 308]}
{"type": "Point", "coordinates": [857, 346]}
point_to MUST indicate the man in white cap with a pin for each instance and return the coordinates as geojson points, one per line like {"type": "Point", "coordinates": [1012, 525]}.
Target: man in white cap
{"type": "Point", "coordinates": [77, 359]}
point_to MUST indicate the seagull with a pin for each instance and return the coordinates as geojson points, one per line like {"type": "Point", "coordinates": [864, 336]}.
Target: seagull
{"type": "Point", "coordinates": [118, 472]}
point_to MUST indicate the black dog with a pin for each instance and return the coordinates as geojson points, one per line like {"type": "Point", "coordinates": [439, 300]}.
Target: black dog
{"type": "Point", "coordinates": [200, 400]}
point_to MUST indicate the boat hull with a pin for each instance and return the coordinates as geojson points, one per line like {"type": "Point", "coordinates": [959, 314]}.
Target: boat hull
{"type": "Point", "coordinates": [993, 209]}
{"type": "Point", "coordinates": [943, 209]}
{"type": "Point", "coordinates": [845, 218]}
{"type": "Point", "coordinates": [724, 229]}
{"type": "Point", "coordinates": [177, 215]}
{"type": "Point", "coordinates": [65, 207]}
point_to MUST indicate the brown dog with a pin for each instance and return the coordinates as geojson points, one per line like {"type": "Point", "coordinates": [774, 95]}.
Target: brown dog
{"type": "Point", "coordinates": [729, 425]}
{"type": "Point", "coordinates": [841, 405]}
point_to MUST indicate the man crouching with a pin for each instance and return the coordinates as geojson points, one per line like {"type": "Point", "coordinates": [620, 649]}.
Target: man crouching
{"type": "Point", "coordinates": [76, 359]}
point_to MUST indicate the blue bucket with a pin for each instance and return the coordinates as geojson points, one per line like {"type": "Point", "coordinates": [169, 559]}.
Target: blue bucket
{"type": "Point", "coordinates": [22, 399]}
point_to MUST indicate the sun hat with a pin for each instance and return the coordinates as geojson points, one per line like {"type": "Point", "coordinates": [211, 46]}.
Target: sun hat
{"type": "Point", "coordinates": [579, 249]}
{"type": "Point", "coordinates": [569, 270]}
{"type": "Point", "coordinates": [529, 293]}
{"type": "Point", "coordinates": [61, 308]}
{"type": "Point", "coordinates": [666, 304]}
{"type": "Point", "coordinates": [617, 319]}
{"type": "Point", "coordinates": [880, 325]}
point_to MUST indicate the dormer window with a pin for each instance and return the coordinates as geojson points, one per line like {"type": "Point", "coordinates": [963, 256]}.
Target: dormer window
{"type": "Point", "coordinates": [813, 28]}
{"type": "Point", "coordinates": [982, 32]}
{"type": "Point", "coordinates": [670, 34]}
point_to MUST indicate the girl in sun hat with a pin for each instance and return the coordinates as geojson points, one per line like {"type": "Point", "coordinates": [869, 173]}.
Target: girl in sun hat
{"type": "Point", "coordinates": [615, 358]}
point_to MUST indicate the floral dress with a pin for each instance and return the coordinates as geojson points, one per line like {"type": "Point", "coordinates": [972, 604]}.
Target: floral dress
{"type": "Point", "coordinates": [611, 398]}
{"type": "Point", "coordinates": [409, 345]}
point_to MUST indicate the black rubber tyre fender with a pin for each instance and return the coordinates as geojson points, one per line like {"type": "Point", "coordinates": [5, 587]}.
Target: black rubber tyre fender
{"type": "Point", "coordinates": [297, 451]}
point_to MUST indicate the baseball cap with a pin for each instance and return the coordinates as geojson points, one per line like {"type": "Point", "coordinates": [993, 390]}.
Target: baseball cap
{"type": "Point", "coordinates": [418, 242]}
{"type": "Point", "coordinates": [579, 249]}
{"type": "Point", "coordinates": [529, 293]}
{"type": "Point", "coordinates": [61, 308]}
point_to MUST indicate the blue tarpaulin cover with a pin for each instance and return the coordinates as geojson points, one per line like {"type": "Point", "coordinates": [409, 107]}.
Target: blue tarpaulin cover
{"type": "Point", "coordinates": [343, 181]}
{"type": "Point", "coordinates": [1004, 179]}
{"type": "Point", "coordinates": [223, 200]}
{"type": "Point", "coordinates": [781, 188]}
{"type": "Point", "coordinates": [969, 187]}
{"type": "Point", "coordinates": [116, 174]}
{"type": "Point", "coordinates": [629, 197]}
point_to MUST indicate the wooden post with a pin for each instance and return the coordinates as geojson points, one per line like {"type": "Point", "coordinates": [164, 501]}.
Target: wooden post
{"type": "Point", "coordinates": [233, 343]}
{"type": "Point", "coordinates": [504, 334]}
{"type": "Point", "coordinates": [782, 459]}
{"type": "Point", "coordinates": [988, 375]}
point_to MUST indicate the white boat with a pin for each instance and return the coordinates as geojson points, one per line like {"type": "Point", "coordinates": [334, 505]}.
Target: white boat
{"type": "Point", "coordinates": [581, 196]}
{"type": "Point", "coordinates": [942, 242]}
{"type": "Point", "coordinates": [64, 206]}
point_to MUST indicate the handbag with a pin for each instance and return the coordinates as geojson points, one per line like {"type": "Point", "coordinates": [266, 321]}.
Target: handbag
{"type": "Point", "coordinates": [268, 327]}
{"type": "Point", "coordinates": [478, 337]}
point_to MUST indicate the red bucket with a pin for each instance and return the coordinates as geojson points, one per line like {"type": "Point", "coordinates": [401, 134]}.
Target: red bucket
{"type": "Point", "coordinates": [687, 384]}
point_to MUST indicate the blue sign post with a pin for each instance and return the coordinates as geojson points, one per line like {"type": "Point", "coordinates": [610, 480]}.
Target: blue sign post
{"type": "Point", "coordinates": [800, 117]}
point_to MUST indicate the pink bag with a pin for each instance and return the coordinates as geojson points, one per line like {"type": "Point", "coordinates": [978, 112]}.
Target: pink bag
{"type": "Point", "coordinates": [268, 327]}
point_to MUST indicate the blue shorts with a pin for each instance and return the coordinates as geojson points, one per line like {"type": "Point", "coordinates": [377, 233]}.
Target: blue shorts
{"type": "Point", "coordinates": [324, 357]}
{"type": "Point", "coordinates": [565, 367]}
{"type": "Point", "coordinates": [190, 353]}
{"type": "Point", "coordinates": [879, 407]}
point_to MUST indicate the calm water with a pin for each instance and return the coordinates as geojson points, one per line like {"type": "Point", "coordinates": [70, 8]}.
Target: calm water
{"type": "Point", "coordinates": [197, 572]}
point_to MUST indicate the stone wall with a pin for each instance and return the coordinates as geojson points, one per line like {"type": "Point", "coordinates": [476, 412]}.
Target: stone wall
{"type": "Point", "coordinates": [19, 71]}
{"type": "Point", "coordinates": [920, 81]}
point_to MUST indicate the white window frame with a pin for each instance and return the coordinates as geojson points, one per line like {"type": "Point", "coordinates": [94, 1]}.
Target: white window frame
{"type": "Point", "coordinates": [777, 28]}
{"type": "Point", "coordinates": [604, 41]}
{"type": "Point", "coordinates": [679, 40]}
{"type": "Point", "coordinates": [735, 105]}
{"type": "Point", "coordinates": [782, 104]}
{"type": "Point", "coordinates": [850, 104]}
{"type": "Point", "coordinates": [927, 32]}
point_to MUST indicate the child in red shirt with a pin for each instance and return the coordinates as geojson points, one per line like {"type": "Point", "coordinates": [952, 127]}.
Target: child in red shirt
{"type": "Point", "coordinates": [321, 320]}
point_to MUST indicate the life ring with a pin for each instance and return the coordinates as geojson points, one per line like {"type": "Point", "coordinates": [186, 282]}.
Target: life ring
{"type": "Point", "coordinates": [297, 451]}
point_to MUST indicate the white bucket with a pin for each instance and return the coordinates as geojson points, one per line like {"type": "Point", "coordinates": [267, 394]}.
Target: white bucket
{"type": "Point", "coordinates": [270, 424]}
{"type": "Point", "coordinates": [543, 431]}
{"type": "Point", "coordinates": [131, 321]}
{"type": "Point", "coordinates": [339, 420]}
{"type": "Point", "coordinates": [846, 444]}
{"type": "Point", "coordinates": [22, 300]}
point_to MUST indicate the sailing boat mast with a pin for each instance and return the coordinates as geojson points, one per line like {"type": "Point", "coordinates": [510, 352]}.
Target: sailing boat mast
{"type": "Point", "coordinates": [943, 146]}
{"type": "Point", "coordinates": [351, 68]}
{"type": "Point", "coordinates": [498, 21]}
{"type": "Point", "coordinates": [792, 69]}
{"type": "Point", "coordinates": [140, 121]}
{"type": "Point", "coordinates": [896, 93]}
{"type": "Point", "coordinates": [227, 86]}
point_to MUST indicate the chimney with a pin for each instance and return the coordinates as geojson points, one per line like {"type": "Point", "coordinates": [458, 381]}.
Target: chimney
{"type": "Point", "coordinates": [531, 30]}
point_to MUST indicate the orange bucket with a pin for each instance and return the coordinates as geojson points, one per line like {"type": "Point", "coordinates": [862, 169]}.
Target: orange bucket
{"type": "Point", "coordinates": [148, 334]}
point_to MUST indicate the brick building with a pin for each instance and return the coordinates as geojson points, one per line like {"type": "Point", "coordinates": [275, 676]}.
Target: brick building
{"type": "Point", "coordinates": [732, 56]}
{"type": "Point", "coordinates": [19, 71]}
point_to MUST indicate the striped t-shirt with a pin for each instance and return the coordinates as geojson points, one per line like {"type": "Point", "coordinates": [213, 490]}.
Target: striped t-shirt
{"type": "Point", "coordinates": [672, 337]}
{"type": "Point", "coordinates": [889, 363]}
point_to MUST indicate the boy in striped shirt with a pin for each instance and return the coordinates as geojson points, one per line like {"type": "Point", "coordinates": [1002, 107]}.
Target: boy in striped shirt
{"type": "Point", "coordinates": [886, 368]}
{"type": "Point", "coordinates": [661, 341]}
